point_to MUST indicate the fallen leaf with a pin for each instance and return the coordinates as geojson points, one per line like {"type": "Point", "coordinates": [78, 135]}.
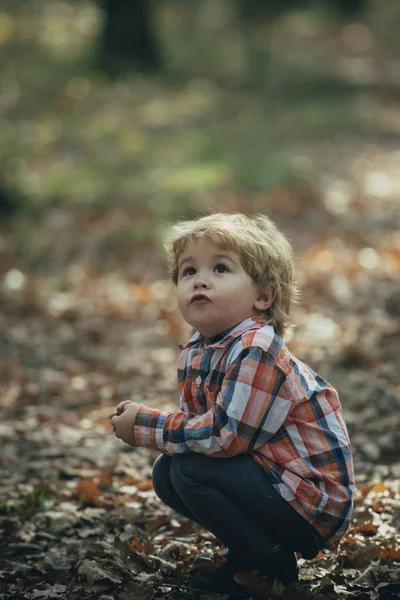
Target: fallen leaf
{"type": "Point", "coordinates": [93, 572]}
{"type": "Point", "coordinates": [87, 491]}
{"type": "Point", "coordinates": [54, 591]}
{"type": "Point", "coordinates": [362, 557]}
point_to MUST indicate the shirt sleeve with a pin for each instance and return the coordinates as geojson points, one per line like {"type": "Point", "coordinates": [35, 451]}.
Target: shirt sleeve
{"type": "Point", "coordinates": [248, 411]}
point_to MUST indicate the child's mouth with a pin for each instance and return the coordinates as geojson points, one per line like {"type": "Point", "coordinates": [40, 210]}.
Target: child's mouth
{"type": "Point", "coordinates": [199, 298]}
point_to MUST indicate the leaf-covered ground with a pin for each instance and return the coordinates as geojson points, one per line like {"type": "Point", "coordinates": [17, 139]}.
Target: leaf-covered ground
{"type": "Point", "coordinates": [87, 316]}
{"type": "Point", "coordinates": [79, 517]}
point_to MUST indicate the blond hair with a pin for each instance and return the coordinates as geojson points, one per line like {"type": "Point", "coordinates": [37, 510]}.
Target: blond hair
{"type": "Point", "coordinates": [265, 252]}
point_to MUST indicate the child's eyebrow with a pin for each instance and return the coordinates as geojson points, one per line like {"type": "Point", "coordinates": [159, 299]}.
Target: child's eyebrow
{"type": "Point", "coordinates": [224, 257]}
{"type": "Point", "coordinates": [190, 259]}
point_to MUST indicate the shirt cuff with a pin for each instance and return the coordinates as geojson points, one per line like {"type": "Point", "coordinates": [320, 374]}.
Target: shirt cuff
{"type": "Point", "coordinates": [148, 430]}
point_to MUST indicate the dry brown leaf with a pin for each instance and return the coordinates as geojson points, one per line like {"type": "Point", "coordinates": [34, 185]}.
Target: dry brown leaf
{"type": "Point", "coordinates": [391, 551]}
{"type": "Point", "coordinates": [105, 480]}
{"type": "Point", "coordinates": [362, 557]}
{"type": "Point", "coordinates": [88, 492]}
{"type": "Point", "coordinates": [145, 485]}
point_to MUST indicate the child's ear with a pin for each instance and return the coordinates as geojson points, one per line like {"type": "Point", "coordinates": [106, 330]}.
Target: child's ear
{"type": "Point", "coordinates": [265, 299]}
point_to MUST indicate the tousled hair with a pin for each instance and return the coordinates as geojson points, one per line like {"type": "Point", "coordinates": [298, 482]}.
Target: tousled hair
{"type": "Point", "coordinates": [265, 253]}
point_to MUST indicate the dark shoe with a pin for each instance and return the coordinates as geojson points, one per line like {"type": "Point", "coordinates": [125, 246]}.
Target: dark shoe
{"type": "Point", "coordinates": [217, 580]}
{"type": "Point", "coordinates": [276, 563]}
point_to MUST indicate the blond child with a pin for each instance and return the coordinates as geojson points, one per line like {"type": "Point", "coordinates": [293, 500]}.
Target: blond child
{"type": "Point", "coordinates": [258, 453]}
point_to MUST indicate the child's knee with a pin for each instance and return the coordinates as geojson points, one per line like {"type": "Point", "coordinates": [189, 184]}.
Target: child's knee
{"type": "Point", "coordinates": [184, 469]}
{"type": "Point", "coordinates": [161, 477]}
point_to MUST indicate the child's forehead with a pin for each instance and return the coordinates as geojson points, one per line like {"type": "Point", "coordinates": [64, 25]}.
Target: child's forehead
{"type": "Point", "coordinates": [199, 244]}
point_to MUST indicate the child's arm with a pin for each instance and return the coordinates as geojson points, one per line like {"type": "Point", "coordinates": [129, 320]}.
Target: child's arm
{"type": "Point", "coordinates": [250, 408]}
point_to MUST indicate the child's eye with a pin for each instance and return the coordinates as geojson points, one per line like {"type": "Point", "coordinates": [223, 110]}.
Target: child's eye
{"type": "Point", "coordinates": [188, 271]}
{"type": "Point", "coordinates": [220, 268]}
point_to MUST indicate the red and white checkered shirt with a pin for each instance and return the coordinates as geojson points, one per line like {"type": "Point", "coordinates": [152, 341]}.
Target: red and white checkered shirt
{"type": "Point", "coordinates": [243, 391]}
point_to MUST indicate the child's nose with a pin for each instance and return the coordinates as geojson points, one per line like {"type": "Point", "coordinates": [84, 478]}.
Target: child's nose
{"type": "Point", "coordinates": [200, 282]}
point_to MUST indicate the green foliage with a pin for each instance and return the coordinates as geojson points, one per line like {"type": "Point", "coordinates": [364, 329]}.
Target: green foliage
{"type": "Point", "coordinates": [236, 112]}
{"type": "Point", "coordinates": [34, 501]}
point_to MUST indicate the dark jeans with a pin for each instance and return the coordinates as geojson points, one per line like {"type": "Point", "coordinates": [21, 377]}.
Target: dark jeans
{"type": "Point", "coordinates": [234, 499]}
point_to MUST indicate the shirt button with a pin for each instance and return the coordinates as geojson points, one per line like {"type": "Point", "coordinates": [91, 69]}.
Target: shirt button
{"type": "Point", "coordinates": [198, 380]}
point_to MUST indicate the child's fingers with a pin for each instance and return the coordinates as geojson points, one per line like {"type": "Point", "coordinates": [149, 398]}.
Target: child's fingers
{"type": "Point", "coordinates": [121, 406]}
{"type": "Point", "coordinates": [113, 420]}
{"type": "Point", "coordinates": [119, 409]}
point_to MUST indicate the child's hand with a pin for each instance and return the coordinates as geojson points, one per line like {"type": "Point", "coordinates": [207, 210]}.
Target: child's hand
{"type": "Point", "coordinates": [120, 408]}
{"type": "Point", "coordinates": [123, 421]}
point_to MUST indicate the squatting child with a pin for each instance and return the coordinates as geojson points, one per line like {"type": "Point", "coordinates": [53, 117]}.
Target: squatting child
{"type": "Point", "coordinates": [258, 452]}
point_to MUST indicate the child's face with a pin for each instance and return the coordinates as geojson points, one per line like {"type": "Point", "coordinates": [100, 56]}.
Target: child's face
{"type": "Point", "coordinates": [214, 291]}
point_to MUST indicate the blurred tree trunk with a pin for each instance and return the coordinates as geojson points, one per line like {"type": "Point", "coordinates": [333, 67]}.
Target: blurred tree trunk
{"type": "Point", "coordinates": [10, 202]}
{"type": "Point", "coordinates": [348, 8]}
{"type": "Point", "coordinates": [253, 10]}
{"type": "Point", "coordinates": [129, 41]}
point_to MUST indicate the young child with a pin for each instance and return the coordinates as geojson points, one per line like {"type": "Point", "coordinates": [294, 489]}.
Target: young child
{"type": "Point", "coordinates": [258, 453]}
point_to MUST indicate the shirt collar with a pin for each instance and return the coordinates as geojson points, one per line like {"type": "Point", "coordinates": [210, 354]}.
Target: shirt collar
{"type": "Point", "coordinates": [225, 337]}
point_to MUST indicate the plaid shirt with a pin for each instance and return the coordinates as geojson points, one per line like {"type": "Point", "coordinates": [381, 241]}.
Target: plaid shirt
{"type": "Point", "coordinates": [242, 391]}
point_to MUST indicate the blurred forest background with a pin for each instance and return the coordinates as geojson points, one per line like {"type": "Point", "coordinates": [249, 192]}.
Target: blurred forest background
{"type": "Point", "coordinates": [116, 118]}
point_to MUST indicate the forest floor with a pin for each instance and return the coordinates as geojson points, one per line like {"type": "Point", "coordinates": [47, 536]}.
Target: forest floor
{"type": "Point", "coordinates": [80, 518]}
